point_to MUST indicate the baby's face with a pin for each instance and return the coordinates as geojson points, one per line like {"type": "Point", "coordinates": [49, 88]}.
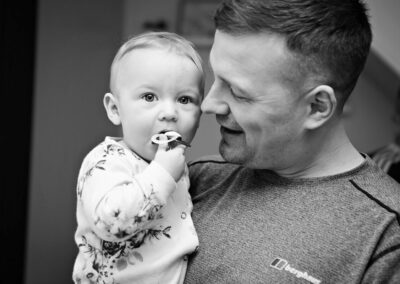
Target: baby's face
{"type": "Point", "coordinates": [157, 91]}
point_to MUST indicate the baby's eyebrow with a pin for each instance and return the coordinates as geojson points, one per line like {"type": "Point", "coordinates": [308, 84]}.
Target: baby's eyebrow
{"type": "Point", "coordinates": [193, 91]}
{"type": "Point", "coordinates": [146, 86]}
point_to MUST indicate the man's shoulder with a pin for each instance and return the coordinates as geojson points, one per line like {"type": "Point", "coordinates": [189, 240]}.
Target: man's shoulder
{"type": "Point", "coordinates": [380, 188]}
{"type": "Point", "coordinates": [207, 160]}
{"type": "Point", "coordinates": [210, 171]}
{"type": "Point", "coordinates": [210, 164]}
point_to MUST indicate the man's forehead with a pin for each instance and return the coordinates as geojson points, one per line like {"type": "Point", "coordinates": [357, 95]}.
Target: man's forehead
{"type": "Point", "coordinates": [236, 56]}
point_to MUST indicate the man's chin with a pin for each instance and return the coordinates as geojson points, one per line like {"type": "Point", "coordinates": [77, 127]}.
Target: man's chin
{"type": "Point", "coordinates": [231, 154]}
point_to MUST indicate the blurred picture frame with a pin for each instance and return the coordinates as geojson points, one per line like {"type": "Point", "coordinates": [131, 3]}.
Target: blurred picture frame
{"type": "Point", "coordinates": [195, 21]}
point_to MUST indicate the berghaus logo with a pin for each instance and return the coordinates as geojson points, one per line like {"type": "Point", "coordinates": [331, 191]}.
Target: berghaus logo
{"type": "Point", "coordinates": [283, 265]}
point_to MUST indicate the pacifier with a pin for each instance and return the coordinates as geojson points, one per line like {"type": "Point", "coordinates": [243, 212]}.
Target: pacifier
{"type": "Point", "coordinates": [173, 138]}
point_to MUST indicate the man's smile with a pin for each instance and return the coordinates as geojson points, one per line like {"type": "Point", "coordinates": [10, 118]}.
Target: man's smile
{"type": "Point", "coordinates": [225, 130]}
{"type": "Point", "coordinates": [228, 126]}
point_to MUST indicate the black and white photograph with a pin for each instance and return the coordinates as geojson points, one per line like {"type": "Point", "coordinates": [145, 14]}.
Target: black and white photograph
{"type": "Point", "coordinates": [201, 142]}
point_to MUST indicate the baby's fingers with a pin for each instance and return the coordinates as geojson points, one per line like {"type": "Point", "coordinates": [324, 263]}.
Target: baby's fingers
{"type": "Point", "coordinates": [180, 148]}
{"type": "Point", "coordinates": [163, 144]}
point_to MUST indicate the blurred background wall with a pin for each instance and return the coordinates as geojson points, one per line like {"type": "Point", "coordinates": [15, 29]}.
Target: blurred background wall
{"type": "Point", "coordinates": [76, 42]}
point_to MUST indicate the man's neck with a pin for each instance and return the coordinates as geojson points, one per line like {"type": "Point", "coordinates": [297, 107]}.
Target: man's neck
{"type": "Point", "coordinates": [328, 154]}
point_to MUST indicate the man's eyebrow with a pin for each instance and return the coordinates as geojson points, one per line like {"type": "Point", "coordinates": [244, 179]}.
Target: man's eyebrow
{"type": "Point", "coordinates": [223, 79]}
{"type": "Point", "coordinates": [234, 85]}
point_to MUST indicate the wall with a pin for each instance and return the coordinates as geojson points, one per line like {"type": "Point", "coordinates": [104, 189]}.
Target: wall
{"type": "Point", "coordinates": [370, 123]}
{"type": "Point", "coordinates": [385, 28]}
{"type": "Point", "coordinates": [75, 45]}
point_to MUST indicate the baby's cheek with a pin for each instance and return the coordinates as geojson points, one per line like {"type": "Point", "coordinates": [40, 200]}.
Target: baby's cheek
{"type": "Point", "coordinates": [190, 132]}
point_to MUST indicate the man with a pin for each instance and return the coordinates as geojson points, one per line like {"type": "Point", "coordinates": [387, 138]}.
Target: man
{"type": "Point", "coordinates": [292, 200]}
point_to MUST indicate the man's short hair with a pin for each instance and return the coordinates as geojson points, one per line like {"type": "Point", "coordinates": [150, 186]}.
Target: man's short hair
{"type": "Point", "coordinates": [168, 41]}
{"type": "Point", "coordinates": [330, 38]}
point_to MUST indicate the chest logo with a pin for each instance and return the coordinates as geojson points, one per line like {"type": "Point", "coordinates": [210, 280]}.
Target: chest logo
{"type": "Point", "coordinates": [283, 265]}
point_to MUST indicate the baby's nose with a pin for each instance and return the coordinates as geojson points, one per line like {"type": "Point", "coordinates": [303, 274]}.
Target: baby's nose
{"type": "Point", "coordinates": [168, 112]}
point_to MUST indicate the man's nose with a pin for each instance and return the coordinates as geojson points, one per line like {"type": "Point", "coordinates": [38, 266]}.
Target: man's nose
{"type": "Point", "coordinates": [168, 111]}
{"type": "Point", "coordinates": [214, 102]}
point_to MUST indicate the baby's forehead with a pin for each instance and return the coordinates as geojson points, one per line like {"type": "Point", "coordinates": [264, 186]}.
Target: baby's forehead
{"type": "Point", "coordinates": [150, 59]}
{"type": "Point", "coordinates": [154, 49]}
{"type": "Point", "coordinates": [144, 54]}
{"type": "Point", "coordinates": [149, 56]}
{"type": "Point", "coordinates": [153, 65]}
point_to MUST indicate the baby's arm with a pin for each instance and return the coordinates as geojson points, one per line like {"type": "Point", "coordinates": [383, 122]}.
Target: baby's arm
{"type": "Point", "coordinates": [119, 200]}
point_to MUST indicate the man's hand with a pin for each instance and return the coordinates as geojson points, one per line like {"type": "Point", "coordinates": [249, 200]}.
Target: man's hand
{"type": "Point", "coordinates": [173, 160]}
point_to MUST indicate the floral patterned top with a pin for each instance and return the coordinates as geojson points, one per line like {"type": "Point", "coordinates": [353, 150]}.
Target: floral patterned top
{"type": "Point", "coordinates": [134, 221]}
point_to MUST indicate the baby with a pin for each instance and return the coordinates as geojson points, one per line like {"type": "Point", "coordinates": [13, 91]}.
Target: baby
{"type": "Point", "coordinates": [133, 206]}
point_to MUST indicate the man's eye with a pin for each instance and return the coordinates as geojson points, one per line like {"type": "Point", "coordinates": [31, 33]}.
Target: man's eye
{"type": "Point", "coordinates": [185, 100]}
{"type": "Point", "coordinates": [238, 97]}
{"type": "Point", "coordinates": [149, 97]}
{"type": "Point", "coordinates": [233, 93]}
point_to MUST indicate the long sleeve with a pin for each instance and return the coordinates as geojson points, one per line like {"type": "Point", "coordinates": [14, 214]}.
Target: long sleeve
{"type": "Point", "coordinates": [133, 220]}
{"type": "Point", "coordinates": [119, 193]}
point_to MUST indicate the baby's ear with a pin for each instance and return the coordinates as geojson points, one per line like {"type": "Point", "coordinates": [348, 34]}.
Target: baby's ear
{"type": "Point", "coordinates": [111, 106]}
{"type": "Point", "coordinates": [321, 106]}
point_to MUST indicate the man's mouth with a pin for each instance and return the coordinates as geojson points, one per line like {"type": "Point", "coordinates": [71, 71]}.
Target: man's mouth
{"type": "Point", "coordinates": [230, 130]}
{"type": "Point", "coordinates": [228, 125]}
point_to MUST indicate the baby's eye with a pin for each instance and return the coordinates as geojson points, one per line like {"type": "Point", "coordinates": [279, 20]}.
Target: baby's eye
{"type": "Point", "coordinates": [185, 100]}
{"type": "Point", "coordinates": [149, 97]}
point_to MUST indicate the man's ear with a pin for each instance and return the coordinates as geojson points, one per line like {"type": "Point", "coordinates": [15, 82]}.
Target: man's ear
{"type": "Point", "coordinates": [111, 106]}
{"type": "Point", "coordinates": [321, 106]}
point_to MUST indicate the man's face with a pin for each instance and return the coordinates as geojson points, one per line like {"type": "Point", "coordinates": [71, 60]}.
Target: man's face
{"type": "Point", "coordinates": [257, 98]}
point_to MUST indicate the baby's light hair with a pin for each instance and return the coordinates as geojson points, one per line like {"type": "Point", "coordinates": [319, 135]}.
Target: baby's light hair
{"type": "Point", "coordinates": [168, 41]}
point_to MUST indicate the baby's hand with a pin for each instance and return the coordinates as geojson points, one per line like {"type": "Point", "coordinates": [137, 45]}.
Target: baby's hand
{"type": "Point", "coordinates": [173, 160]}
